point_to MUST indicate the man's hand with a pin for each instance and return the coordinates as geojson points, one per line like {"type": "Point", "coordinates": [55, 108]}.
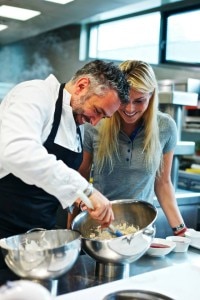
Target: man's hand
{"type": "Point", "coordinates": [102, 209]}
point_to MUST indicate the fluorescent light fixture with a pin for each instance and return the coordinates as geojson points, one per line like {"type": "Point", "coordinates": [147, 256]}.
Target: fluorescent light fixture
{"type": "Point", "coordinates": [60, 1]}
{"type": "Point", "coordinates": [2, 27]}
{"type": "Point", "coordinates": [17, 13]}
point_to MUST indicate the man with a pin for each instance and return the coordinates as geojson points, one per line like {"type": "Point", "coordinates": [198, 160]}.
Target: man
{"type": "Point", "coordinates": [41, 145]}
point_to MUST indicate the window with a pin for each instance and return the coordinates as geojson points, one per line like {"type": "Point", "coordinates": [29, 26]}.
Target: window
{"type": "Point", "coordinates": [183, 38]}
{"type": "Point", "coordinates": [130, 38]}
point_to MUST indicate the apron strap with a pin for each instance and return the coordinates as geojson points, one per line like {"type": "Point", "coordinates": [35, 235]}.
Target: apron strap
{"type": "Point", "coordinates": [57, 114]}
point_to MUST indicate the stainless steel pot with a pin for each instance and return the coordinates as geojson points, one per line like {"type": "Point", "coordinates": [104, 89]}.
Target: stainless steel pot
{"type": "Point", "coordinates": [125, 249]}
{"type": "Point", "coordinates": [41, 254]}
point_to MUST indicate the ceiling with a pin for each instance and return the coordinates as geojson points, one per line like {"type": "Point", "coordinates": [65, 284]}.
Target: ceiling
{"type": "Point", "coordinates": [56, 15]}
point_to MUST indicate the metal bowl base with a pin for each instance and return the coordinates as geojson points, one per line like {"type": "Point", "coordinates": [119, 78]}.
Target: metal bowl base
{"type": "Point", "coordinates": [110, 270]}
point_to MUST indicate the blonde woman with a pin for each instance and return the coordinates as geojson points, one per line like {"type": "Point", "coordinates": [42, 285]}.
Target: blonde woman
{"type": "Point", "coordinates": [132, 152]}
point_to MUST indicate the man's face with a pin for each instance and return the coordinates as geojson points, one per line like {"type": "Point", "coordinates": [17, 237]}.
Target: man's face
{"type": "Point", "coordinates": [93, 108]}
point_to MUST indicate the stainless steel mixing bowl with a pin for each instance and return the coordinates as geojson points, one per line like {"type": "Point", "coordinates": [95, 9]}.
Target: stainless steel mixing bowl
{"type": "Point", "coordinates": [119, 250]}
{"type": "Point", "coordinates": [41, 254]}
{"type": "Point", "coordinates": [136, 295]}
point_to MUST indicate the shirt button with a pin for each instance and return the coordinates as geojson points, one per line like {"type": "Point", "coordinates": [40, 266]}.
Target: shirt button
{"type": "Point", "coordinates": [127, 159]}
{"type": "Point", "coordinates": [129, 150]}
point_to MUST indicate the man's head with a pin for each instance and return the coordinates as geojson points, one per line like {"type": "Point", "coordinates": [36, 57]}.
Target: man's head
{"type": "Point", "coordinates": [97, 90]}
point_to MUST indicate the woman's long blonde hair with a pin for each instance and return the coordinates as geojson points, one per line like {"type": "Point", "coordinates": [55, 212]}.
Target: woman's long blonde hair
{"type": "Point", "coordinates": [141, 78]}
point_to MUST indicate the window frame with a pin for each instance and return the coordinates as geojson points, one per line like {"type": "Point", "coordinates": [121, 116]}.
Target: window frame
{"type": "Point", "coordinates": [163, 44]}
{"type": "Point", "coordinates": [165, 11]}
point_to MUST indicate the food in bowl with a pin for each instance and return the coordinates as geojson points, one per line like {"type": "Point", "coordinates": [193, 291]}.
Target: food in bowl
{"type": "Point", "coordinates": [182, 243]}
{"type": "Point", "coordinates": [160, 247]}
{"type": "Point", "coordinates": [125, 249]}
{"type": "Point", "coordinates": [99, 233]}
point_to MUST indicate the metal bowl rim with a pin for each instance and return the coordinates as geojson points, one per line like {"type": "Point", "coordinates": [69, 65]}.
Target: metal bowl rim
{"type": "Point", "coordinates": [143, 292]}
{"type": "Point", "coordinates": [49, 250]}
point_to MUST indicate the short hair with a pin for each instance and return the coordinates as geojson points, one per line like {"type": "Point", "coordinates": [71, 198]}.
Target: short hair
{"type": "Point", "coordinates": [103, 76]}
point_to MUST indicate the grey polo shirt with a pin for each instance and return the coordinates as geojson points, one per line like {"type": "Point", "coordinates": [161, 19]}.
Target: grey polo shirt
{"type": "Point", "coordinates": [130, 178]}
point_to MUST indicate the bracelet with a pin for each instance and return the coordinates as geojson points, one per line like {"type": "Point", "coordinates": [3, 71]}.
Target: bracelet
{"type": "Point", "coordinates": [179, 227]}
{"type": "Point", "coordinates": [180, 231]}
{"type": "Point", "coordinates": [89, 190]}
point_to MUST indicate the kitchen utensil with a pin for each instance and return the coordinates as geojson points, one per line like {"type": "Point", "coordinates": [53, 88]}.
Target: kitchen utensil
{"type": "Point", "coordinates": [160, 247]}
{"type": "Point", "coordinates": [121, 250]}
{"type": "Point", "coordinates": [88, 203]}
{"type": "Point", "coordinates": [41, 254]}
{"type": "Point", "coordinates": [136, 295]}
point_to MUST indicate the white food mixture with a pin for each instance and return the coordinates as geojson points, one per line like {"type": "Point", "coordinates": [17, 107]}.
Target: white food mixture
{"type": "Point", "coordinates": [105, 234]}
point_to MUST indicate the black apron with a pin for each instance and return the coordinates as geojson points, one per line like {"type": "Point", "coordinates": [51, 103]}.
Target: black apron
{"type": "Point", "coordinates": [24, 206]}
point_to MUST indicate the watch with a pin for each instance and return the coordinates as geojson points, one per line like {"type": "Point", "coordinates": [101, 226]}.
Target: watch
{"type": "Point", "coordinates": [89, 190]}
{"type": "Point", "coordinates": [179, 227]}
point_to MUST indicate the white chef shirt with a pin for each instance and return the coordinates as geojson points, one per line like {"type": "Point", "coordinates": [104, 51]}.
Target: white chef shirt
{"type": "Point", "coordinates": [26, 118]}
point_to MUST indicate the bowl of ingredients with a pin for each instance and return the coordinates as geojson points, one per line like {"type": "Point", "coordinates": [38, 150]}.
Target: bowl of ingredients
{"type": "Point", "coordinates": [133, 218]}
{"type": "Point", "coordinates": [182, 243]}
{"type": "Point", "coordinates": [45, 254]}
{"type": "Point", "coordinates": [160, 247]}
{"type": "Point", "coordinates": [194, 236]}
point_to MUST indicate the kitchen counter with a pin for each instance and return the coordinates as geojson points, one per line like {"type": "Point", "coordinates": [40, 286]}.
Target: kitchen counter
{"type": "Point", "coordinates": [180, 282]}
{"type": "Point", "coordinates": [83, 277]}
{"type": "Point", "coordinates": [176, 275]}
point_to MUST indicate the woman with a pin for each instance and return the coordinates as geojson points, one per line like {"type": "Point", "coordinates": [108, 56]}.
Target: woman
{"type": "Point", "coordinates": [132, 152]}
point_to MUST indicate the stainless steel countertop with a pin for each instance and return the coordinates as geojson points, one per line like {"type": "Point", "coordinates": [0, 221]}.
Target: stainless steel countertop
{"type": "Point", "coordinates": [84, 273]}
{"type": "Point", "coordinates": [179, 281]}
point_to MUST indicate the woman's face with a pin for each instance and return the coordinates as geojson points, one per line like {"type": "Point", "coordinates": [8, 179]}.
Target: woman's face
{"type": "Point", "coordinates": [133, 112]}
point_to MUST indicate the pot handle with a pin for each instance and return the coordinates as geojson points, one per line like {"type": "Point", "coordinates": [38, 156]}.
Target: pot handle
{"type": "Point", "coordinates": [150, 231]}
{"type": "Point", "coordinates": [35, 229]}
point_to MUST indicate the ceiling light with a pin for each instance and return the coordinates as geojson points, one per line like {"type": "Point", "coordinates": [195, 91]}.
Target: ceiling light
{"type": "Point", "coordinates": [60, 1]}
{"type": "Point", "coordinates": [17, 13]}
{"type": "Point", "coordinates": [2, 27]}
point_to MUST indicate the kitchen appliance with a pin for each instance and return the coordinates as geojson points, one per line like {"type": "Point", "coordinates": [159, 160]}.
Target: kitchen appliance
{"type": "Point", "coordinates": [173, 96]}
{"type": "Point", "coordinates": [113, 256]}
{"type": "Point", "coordinates": [192, 114]}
